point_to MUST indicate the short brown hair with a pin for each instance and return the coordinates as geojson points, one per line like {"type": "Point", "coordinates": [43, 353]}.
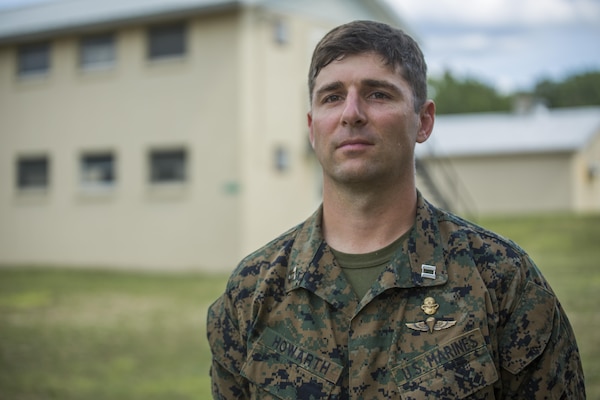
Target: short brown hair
{"type": "Point", "coordinates": [396, 48]}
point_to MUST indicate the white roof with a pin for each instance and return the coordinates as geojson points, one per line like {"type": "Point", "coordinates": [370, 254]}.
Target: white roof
{"type": "Point", "coordinates": [557, 130]}
{"type": "Point", "coordinates": [58, 16]}
{"type": "Point", "coordinates": [64, 15]}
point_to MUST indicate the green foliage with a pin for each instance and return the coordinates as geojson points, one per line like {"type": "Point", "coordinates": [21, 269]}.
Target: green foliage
{"type": "Point", "coordinates": [574, 91]}
{"type": "Point", "coordinates": [454, 96]}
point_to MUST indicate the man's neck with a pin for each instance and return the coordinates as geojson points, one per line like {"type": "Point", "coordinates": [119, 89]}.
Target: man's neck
{"type": "Point", "coordinates": [358, 223]}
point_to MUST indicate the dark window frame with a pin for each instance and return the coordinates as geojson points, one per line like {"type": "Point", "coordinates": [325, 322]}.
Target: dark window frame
{"type": "Point", "coordinates": [98, 169]}
{"type": "Point", "coordinates": [33, 172]}
{"type": "Point", "coordinates": [167, 41]}
{"type": "Point", "coordinates": [34, 58]}
{"type": "Point", "coordinates": [168, 165]}
{"type": "Point", "coordinates": [90, 43]}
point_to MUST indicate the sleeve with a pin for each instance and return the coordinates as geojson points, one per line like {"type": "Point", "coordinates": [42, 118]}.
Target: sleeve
{"type": "Point", "coordinates": [228, 352]}
{"type": "Point", "coordinates": [538, 351]}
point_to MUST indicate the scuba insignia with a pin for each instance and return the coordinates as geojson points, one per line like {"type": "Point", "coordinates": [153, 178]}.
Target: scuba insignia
{"type": "Point", "coordinates": [429, 306]}
{"type": "Point", "coordinates": [431, 324]}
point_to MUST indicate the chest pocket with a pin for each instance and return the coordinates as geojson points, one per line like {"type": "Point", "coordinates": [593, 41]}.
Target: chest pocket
{"type": "Point", "coordinates": [452, 370]}
{"type": "Point", "coordinates": [528, 332]}
{"type": "Point", "coordinates": [286, 371]}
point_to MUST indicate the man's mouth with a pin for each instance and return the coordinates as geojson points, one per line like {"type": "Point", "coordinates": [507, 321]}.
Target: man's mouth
{"type": "Point", "coordinates": [354, 144]}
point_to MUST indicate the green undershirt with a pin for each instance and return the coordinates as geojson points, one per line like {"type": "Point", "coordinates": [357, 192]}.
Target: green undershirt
{"type": "Point", "coordinates": [362, 270]}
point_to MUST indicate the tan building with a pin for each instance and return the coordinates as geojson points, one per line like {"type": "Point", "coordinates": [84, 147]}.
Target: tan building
{"type": "Point", "coordinates": [544, 161]}
{"type": "Point", "coordinates": [165, 134]}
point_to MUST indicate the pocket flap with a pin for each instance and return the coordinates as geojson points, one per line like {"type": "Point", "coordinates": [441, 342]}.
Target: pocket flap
{"type": "Point", "coordinates": [529, 329]}
{"type": "Point", "coordinates": [452, 370]}
{"type": "Point", "coordinates": [284, 369]}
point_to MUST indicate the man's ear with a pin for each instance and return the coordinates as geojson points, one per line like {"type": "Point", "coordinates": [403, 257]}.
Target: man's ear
{"type": "Point", "coordinates": [311, 137]}
{"type": "Point", "coordinates": [426, 121]}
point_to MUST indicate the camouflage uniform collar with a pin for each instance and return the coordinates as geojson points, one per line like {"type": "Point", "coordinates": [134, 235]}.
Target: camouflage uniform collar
{"type": "Point", "coordinates": [423, 249]}
{"type": "Point", "coordinates": [313, 267]}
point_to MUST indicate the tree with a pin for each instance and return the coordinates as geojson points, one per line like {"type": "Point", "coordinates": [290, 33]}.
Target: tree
{"type": "Point", "coordinates": [453, 96]}
{"type": "Point", "coordinates": [575, 91]}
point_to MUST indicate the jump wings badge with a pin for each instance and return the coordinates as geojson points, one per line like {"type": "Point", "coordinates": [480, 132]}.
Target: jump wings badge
{"type": "Point", "coordinates": [431, 324]}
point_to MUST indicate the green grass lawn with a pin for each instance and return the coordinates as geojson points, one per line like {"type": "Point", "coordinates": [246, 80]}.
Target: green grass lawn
{"type": "Point", "coordinates": [566, 248]}
{"type": "Point", "coordinates": [77, 334]}
{"type": "Point", "coordinates": [68, 334]}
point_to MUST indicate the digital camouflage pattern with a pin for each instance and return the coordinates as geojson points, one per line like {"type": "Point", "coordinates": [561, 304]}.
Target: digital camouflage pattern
{"type": "Point", "coordinates": [289, 326]}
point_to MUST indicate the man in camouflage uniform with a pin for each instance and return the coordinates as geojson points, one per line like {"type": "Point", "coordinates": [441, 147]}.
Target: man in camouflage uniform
{"type": "Point", "coordinates": [380, 295]}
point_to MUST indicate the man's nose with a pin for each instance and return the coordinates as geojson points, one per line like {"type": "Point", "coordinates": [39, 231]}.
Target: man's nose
{"type": "Point", "coordinates": [353, 113]}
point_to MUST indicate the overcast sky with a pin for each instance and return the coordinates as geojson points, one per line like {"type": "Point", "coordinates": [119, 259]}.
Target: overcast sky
{"type": "Point", "coordinates": [509, 44]}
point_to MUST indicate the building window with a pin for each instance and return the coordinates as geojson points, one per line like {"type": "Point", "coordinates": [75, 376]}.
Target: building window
{"type": "Point", "coordinates": [33, 172]}
{"type": "Point", "coordinates": [97, 51]}
{"type": "Point", "coordinates": [593, 171]}
{"type": "Point", "coordinates": [281, 32]}
{"type": "Point", "coordinates": [168, 166]}
{"type": "Point", "coordinates": [97, 170]}
{"type": "Point", "coordinates": [167, 41]}
{"type": "Point", "coordinates": [282, 159]}
{"type": "Point", "coordinates": [34, 58]}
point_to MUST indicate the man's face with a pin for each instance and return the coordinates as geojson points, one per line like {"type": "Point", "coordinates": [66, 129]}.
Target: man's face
{"type": "Point", "coordinates": [363, 126]}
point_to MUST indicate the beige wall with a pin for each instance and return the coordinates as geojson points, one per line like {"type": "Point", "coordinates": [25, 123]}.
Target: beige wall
{"type": "Point", "coordinates": [236, 97]}
{"type": "Point", "coordinates": [586, 173]}
{"type": "Point", "coordinates": [129, 109]}
{"type": "Point", "coordinates": [275, 116]}
{"type": "Point", "coordinates": [509, 184]}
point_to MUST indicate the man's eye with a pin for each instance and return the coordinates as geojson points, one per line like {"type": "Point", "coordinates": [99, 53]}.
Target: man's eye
{"type": "Point", "coordinates": [331, 98]}
{"type": "Point", "coordinates": [379, 95]}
